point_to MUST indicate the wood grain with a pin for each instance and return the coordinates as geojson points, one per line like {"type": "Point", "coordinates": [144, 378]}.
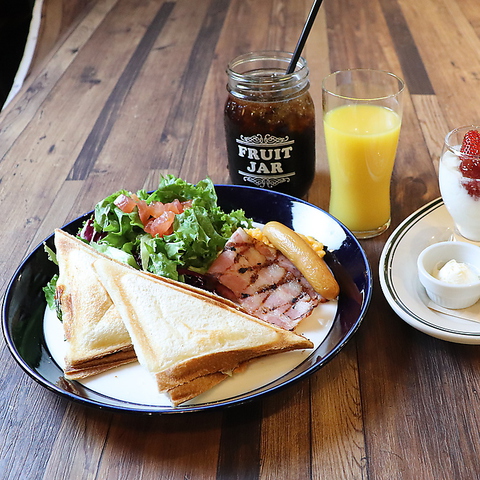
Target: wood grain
{"type": "Point", "coordinates": [102, 128]}
{"type": "Point", "coordinates": [125, 90]}
{"type": "Point", "coordinates": [415, 74]}
{"type": "Point", "coordinates": [338, 439]}
{"type": "Point", "coordinates": [58, 19]}
{"type": "Point", "coordinates": [292, 423]}
{"type": "Point", "coordinates": [239, 453]}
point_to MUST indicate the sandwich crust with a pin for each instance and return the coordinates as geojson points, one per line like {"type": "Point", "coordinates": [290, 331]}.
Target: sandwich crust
{"type": "Point", "coordinates": [186, 391]}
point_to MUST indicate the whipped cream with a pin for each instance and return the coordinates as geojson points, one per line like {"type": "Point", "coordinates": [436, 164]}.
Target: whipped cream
{"type": "Point", "coordinates": [456, 272]}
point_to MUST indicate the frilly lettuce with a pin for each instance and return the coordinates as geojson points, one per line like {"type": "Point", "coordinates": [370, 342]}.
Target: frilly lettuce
{"type": "Point", "coordinates": [200, 232]}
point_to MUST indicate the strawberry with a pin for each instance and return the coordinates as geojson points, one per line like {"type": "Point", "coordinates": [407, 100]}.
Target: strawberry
{"type": "Point", "coordinates": [470, 161]}
{"type": "Point", "coordinates": [471, 143]}
{"type": "Point", "coordinates": [472, 186]}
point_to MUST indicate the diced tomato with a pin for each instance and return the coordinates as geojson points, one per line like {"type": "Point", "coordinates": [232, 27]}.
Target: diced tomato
{"type": "Point", "coordinates": [143, 211]}
{"type": "Point", "coordinates": [157, 209]}
{"type": "Point", "coordinates": [125, 203]}
{"type": "Point", "coordinates": [163, 225]}
{"type": "Point", "coordinates": [156, 217]}
{"type": "Point", "coordinates": [175, 206]}
{"type": "Point", "coordinates": [187, 204]}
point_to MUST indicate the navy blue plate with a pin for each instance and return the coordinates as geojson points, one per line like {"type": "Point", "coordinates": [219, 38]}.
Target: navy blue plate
{"type": "Point", "coordinates": [24, 303]}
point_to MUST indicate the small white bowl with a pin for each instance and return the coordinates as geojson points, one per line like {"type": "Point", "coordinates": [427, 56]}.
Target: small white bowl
{"type": "Point", "coordinates": [449, 295]}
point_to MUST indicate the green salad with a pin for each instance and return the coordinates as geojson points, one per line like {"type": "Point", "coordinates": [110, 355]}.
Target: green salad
{"type": "Point", "coordinates": [197, 230]}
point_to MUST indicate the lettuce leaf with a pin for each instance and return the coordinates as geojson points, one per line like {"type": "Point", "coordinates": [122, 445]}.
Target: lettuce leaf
{"type": "Point", "coordinates": [199, 233]}
{"type": "Point", "coordinates": [49, 292]}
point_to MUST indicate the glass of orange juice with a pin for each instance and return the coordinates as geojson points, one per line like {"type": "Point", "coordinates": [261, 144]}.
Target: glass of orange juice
{"type": "Point", "coordinates": [362, 114]}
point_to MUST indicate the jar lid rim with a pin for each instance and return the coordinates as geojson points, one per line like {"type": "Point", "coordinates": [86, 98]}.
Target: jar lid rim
{"type": "Point", "coordinates": [282, 57]}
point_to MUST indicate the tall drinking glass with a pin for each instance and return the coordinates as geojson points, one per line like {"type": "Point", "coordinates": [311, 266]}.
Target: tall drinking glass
{"type": "Point", "coordinates": [362, 115]}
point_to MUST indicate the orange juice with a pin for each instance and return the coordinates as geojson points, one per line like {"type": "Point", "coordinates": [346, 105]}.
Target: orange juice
{"type": "Point", "coordinates": [361, 145]}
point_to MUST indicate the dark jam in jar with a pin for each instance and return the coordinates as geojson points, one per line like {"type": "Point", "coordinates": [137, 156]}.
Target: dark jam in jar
{"type": "Point", "coordinates": [270, 124]}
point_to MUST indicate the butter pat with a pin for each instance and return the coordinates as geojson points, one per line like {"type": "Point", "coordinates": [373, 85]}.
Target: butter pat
{"type": "Point", "coordinates": [452, 284]}
{"type": "Point", "coordinates": [456, 273]}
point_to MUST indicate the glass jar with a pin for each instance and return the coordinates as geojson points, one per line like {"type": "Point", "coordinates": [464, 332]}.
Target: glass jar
{"type": "Point", "coordinates": [270, 123]}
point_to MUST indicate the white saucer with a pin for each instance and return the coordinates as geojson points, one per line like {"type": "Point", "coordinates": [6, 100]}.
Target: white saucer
{"type": "Point", "coordinates": [399, 280]}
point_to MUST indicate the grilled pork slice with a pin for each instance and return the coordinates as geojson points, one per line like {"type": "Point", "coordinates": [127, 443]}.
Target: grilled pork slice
{"type": "Point", "coordinates": [96, 338]}
{"type": "Point", "coordinates": [263, 281]}
{"type": "Point", "coordinates": [188, 338]}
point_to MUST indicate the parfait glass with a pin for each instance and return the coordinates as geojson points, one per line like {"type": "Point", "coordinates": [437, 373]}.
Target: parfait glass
{"type": "Point", "coordinates": [459, 179]}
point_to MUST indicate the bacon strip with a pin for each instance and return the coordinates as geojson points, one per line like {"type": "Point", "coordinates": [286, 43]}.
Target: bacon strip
{"type": "Point", "coordinates": [264, 282]}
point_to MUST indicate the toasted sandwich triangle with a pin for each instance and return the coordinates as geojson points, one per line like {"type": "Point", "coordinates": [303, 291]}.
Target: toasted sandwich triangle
{"type": "Point", "coordinates": [95, 336]}
{"type": "Point", "coordinates": [181, 333]}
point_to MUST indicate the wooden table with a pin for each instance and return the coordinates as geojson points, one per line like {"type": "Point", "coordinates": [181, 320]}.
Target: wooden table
{"type": "Point", "coordinates": [137, 89]}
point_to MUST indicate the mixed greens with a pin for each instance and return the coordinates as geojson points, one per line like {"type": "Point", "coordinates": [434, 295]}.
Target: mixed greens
{"type": "Point", "coordinates": [199, 232]}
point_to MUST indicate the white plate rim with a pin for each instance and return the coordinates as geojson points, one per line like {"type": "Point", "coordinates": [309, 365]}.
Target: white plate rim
{"type": "Point", "coordinates": [404, 307]}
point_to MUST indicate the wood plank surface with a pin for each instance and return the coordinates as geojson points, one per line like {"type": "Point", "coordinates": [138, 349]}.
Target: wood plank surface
{"type": "Point", "coordinates": [136, 89]}
{"type": "Point", "coordinates": [58, 18]}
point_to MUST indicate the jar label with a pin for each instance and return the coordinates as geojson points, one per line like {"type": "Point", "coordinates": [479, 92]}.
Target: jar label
{"type": "Point", "coordinates": [264, 158]}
